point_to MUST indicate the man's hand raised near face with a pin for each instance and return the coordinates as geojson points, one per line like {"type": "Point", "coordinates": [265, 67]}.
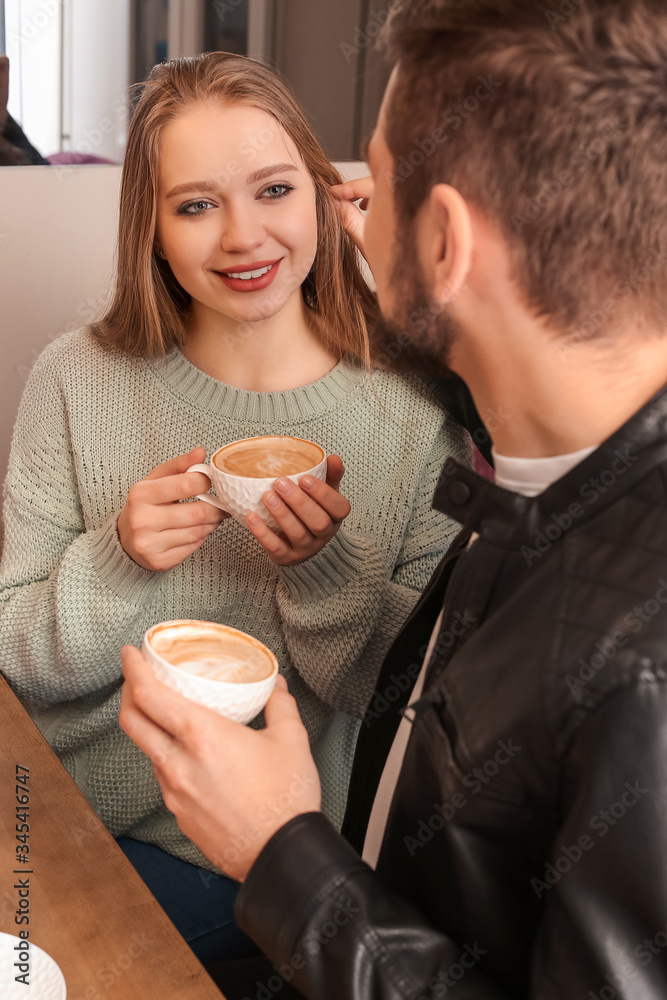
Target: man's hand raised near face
{"type": "Point", "coordinates": [230, 787]}
{"type": "Point", "coordinates": [351, 214]}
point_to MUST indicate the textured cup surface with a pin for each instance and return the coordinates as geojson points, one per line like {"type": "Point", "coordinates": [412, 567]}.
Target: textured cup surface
{"type": "Point", "coordinates": [242, 495]}
{"type": "Point", "coordinates": [214, 665]}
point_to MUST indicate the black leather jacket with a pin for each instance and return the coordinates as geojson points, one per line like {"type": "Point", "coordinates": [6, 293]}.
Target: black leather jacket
{"type": "Point", "coordinates": [526, 849]}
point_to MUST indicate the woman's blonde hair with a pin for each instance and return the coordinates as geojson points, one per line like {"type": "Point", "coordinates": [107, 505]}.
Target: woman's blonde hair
{"type": "Point", "coordinates": [146, 315]}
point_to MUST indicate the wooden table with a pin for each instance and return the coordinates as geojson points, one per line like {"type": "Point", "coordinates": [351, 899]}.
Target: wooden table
{"type": "Point", "coordinates": [88, 908]}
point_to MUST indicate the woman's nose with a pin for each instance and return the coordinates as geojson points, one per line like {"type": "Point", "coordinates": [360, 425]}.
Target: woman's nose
{"type": "Point", "coordinates": [241, 231]}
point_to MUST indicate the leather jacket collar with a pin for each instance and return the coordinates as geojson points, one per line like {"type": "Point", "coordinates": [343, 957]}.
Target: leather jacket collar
{"type": "Point", "coordinates": [511, 520]}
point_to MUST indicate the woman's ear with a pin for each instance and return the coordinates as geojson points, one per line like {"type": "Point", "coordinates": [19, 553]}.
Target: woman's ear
{"type": "Point", "coordinates": [451, 249]}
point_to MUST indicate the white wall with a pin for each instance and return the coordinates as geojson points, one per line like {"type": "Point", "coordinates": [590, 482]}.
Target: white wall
{"type": "Point", "coordinates": [57, 241]}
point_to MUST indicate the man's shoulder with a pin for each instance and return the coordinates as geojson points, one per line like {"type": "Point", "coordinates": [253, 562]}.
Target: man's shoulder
{"type": "Point", "coordinates": [624, 547]}
{"type": "Point", "coordinates": [613, 622]}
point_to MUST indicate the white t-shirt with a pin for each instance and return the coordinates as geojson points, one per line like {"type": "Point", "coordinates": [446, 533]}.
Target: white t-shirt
{"type": "Point", "coordinates": [529, 476]}
{"type": "Point", "coordinates": [532, 476]}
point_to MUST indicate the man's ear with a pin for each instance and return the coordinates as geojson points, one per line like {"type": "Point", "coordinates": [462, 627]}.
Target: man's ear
{"type": "Point", "coordinates": [452, 247]}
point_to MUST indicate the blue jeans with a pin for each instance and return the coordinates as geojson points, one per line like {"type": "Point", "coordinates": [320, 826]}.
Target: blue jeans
{"type": "Point", "coordinates": [199, 903]}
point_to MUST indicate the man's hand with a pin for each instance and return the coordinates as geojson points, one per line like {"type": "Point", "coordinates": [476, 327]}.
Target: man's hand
{"type": "Point", "coordinates": [308, 515]}
{"type": "Point", "coordinates": [351, 214]}
{"type": "Point", "coordinates": [230, 787]}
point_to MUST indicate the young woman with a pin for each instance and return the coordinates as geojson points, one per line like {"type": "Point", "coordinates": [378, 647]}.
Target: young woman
{"type": "Point", "coordinates": [239, 310]}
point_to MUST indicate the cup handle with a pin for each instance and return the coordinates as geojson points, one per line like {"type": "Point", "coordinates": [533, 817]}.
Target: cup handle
{"type": "Point", "coordinates": [207, 497]}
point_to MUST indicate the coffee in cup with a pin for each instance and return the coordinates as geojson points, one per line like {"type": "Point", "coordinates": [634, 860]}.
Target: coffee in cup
{"type": "Point", "coordinates": [267, 457]}
{"type": "Point", "coordinates": [241, 472]}
{"type": "Point", "coordinates": [213, 664]}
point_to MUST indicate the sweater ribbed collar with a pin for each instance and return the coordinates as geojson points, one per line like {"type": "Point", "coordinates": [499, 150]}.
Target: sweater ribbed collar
{"type": "Point", "coordinates": [203, 391]}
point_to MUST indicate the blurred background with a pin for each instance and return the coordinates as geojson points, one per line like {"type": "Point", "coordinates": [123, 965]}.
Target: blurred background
{"type": "Point", "coordinates": [72, 61]}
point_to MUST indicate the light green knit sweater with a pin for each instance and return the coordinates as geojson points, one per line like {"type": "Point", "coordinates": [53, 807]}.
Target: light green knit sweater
{"type": "Point", "coordinates": [91, 423]}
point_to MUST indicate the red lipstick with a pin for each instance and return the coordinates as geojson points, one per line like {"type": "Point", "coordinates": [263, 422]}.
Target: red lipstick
{"type": "Point", "coordinates": [250, 284]}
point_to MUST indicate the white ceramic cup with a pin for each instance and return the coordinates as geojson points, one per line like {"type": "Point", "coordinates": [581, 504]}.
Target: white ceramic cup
{"type": "Point", "coordinates": [242, 495]}
{"type": "Point", "coordinates": [195, 676]}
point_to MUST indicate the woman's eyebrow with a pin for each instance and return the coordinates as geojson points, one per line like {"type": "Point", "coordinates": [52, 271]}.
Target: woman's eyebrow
{"type": "Point", "coordinates": [258, 175]}
{"type": "Point", "coordinates": [192, 186]}
{"type": "Point", "coordinates": [275, 168]}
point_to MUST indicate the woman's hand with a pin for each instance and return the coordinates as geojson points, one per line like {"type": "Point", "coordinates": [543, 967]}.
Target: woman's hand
{"type": "Point", "coordinates": [351, 214]}
{"type": "Point", "coordinates": [308, 514]}
{"type": "Point", "coordinates": [230, 812]}
{"type": "Point", "coordinates": [155, 529]}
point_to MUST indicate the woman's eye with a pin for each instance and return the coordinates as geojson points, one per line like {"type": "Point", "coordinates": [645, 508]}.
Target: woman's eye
{"type": "Point", "coordinates": [275, 191]}
{"type": "Point", "coordinates": [194, 207]}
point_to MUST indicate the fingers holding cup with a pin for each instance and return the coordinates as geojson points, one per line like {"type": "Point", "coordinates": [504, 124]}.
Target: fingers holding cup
{"type": "Point", "coordinates": [307, 514]}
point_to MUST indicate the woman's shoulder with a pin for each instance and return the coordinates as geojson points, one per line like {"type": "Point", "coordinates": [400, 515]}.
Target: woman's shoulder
{"type": "Point", "coordinates": [422, 413]}
{"type": "Point", "coordinates": [429, 394]}
{"type": "Point", "coordinates": [77, 356]}
{"type": "Point", "coordinates": [412, 392]}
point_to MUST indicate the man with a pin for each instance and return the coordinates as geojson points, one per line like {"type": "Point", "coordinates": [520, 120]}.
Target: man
{"type": "Point", "coordinates": [516, 819]}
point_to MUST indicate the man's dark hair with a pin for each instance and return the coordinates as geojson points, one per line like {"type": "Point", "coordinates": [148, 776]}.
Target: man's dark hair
{"type": "Point", "coordinates": [552, 120]}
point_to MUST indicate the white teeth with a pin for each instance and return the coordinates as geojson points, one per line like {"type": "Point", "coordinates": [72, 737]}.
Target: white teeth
{"type": "Point", "coordinates": [247, 275]}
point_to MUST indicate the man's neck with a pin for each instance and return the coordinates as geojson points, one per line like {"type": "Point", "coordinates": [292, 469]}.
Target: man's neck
{"type": "Point", "coordinates": [539, 398]}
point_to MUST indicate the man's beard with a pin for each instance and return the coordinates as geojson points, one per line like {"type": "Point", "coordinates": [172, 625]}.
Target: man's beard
{"type": "Point", "coordinates": [419, 336]}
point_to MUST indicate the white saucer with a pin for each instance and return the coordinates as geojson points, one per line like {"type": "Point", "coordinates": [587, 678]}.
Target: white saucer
{"type": "Point", "coordinates": [46, 981]}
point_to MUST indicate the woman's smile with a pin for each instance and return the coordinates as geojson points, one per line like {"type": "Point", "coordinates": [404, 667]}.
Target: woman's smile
{"type": "Point", "coordinates": [252, 277]}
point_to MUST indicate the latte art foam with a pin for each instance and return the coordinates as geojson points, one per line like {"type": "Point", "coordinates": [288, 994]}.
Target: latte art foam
{"type": "Point", "coordinates": [216, 668]}
{"type": "Point", "coordinates": [212, 653]}
{"type": "Point", "coordinates": [268, 457]}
